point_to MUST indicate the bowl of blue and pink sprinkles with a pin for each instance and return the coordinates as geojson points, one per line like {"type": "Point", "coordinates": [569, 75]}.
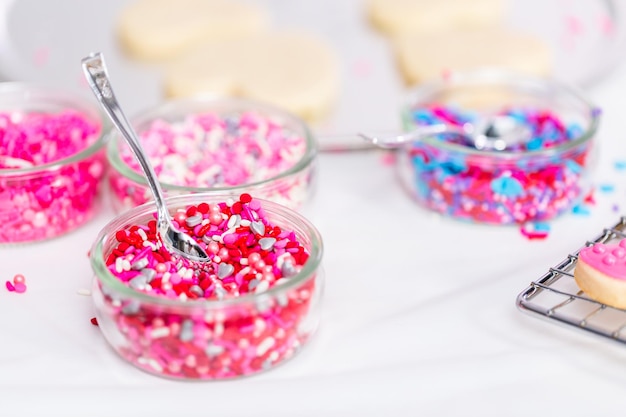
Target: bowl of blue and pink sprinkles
{"type": "Point", "coordinates": [536, 178]}
{"type": "Point", "coordinates": [219, 145]}
{"type": "Point", "coordinates": [51, 162]}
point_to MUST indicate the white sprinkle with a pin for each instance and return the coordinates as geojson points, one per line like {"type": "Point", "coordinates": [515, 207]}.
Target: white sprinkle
{"type": "Point", "coordinates": [230, 202]}
{"type": "Point", "coordinates": [243, 261]}
{"type": "Point", "coordinates": [118, 265]}
{"type": "Point", "coordinates": [142, 233]}
{"type": "Point", "coordinates": [125, 264]}
{"type": "Point", "coordinates": [214, 350]}
{"type": "Point", "coordinates": [159, 332]}
{"type": "Point", "coordinates": [83, 291]}
{"type": "Point", "coordinates": [218, 330]}
{"type": "Point", "coordinates": [245, 223]}
{"type": "Point", "coordinates": [262, 286]}
{"type": "Point", "coordinates": [234, 221]}
{"type": "Point", "coordinates": [264, 346]}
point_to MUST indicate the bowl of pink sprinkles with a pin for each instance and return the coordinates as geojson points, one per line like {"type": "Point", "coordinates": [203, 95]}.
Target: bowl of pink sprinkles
{"type": "Point", "coordinates": [51, 162]}
{"type": "Point", "coordinates": [218, 145]}
{"type": "Point", "coordinates": [252, 307]}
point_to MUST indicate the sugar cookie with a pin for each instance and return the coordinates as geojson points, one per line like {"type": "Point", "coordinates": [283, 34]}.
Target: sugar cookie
{"type": "Point", "coordinates": [160, 29]}
{"type": "Point", "coordinates": [292, 70]}
{"type": "Point", "coordinates": [601, 273]}
{"type": "Point", "coordinates": [424, 56]}
{"type": "Point", "coordinates": [413, 16]}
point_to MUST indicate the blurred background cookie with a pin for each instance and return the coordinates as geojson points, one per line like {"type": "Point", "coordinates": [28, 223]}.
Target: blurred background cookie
{"type": "Point", "coordinates": [414, 16]}
{"type": "Point", "coordinates": [161, 29]}
{"type": "Point", "coordinates": [293, 70]}
{"type": "Point", "coordinates": [424, 56]}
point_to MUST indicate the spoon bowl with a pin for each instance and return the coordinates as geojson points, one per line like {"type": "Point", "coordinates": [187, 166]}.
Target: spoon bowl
{"type": "Point", "coordinates": [175, 240]}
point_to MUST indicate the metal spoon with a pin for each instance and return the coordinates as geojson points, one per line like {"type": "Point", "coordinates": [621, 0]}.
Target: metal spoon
{"type": "Point", "coordinates": [175, 241]}
{"type": "Point", "coordinates": [494, 133]}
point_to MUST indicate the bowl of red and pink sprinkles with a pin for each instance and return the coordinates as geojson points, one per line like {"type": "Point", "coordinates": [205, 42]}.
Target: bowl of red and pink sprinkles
{"type": "Point", "coordinates": [535, 176]}
{"type": "Point", "coordinates": [253, 306]}
{"type": "Point", "coordinates": [52, 161]}
{"type": "Point", "coordinates": [219, 145]}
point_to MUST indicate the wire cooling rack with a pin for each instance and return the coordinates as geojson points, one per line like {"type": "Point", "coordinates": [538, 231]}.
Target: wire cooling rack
{"type": "Point", "coordinates": [555, 296]}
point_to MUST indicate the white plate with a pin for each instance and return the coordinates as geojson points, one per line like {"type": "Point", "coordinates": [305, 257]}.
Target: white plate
{"type": "Point", "coordinates": [43, 41]}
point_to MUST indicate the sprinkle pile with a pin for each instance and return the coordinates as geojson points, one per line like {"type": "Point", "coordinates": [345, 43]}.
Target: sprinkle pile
{"type": "Point", "coordinates": [249, 255]}
{"type": "Point", "coordinates": [211, 151]}
{"type": "Point", "coordinates": [487, 189]}
{"type": "Point", "coordinates": [48, 202]}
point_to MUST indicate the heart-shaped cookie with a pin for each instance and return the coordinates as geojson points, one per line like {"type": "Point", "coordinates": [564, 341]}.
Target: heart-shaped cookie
{"type": "Point", "coordinates": [292, 70]}
{"type": "Point", "coordinates": [161, 29]}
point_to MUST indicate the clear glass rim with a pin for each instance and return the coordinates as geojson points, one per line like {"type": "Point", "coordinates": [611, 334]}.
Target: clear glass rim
{"type": "Point", "coordinates": [500, 77]}
{"type": "Point", "coordinates": [70, 100]}
{"type": "Point", "coordinates": [113, 153]}
{"type": "Point", "coordinates": [98, 262]}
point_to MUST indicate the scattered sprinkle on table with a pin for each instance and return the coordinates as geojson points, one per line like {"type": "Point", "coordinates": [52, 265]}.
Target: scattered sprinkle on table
{"type": "Point", "coordinates": [18, 284]}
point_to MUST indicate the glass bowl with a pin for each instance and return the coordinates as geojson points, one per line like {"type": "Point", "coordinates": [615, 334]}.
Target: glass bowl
{"type": "Point", "coordinates": [541, 172]}
{"type": "Point", "coordinates": [218, 145]}
{"type": "Point", "coordinates": [208, 338]}
{"type": "Point", "coordinates": [51, 162]}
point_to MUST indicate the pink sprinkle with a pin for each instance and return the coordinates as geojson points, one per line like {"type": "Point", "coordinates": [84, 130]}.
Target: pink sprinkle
{"type": "Point", "coordinates": [10, 286]}
{"type": "Point", "coordinates": [20, 287]}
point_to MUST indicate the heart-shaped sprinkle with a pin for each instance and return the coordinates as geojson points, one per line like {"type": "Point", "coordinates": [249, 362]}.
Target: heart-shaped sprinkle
{"type": "Point", "coordinates": [267, 243]}
{"type": "Point", "coordinates": [258, 228]}
{"type": "Point", "coordinates": [288, 269]}
{"type": "Point", "coordinates": [225, 270]}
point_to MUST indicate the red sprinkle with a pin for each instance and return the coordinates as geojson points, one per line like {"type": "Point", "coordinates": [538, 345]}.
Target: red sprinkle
{"type": "Point", "coordinates": [94, 321]}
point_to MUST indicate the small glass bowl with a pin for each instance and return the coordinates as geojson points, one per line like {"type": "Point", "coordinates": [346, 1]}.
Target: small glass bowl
{"type": "Point", "coordinates": [290, 187]}
{"type": "Point", "coordinates": [532, 182]}
{"type": "Point", "coordinates": [42, 201]}
{"type": "Point", "coordinates": [232, 337]}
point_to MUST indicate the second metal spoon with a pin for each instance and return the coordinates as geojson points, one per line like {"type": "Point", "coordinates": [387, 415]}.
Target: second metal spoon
{"type": "Point", "coordinates": [175, 241]}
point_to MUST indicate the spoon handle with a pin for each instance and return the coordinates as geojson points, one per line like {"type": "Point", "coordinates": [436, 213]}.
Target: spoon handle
{"type": "Point", "coordinates": [391, 141]}
{"type": "Point", "coordinates": [95, 71]}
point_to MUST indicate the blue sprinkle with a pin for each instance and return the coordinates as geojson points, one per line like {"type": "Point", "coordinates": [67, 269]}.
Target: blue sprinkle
{"type": "Point", "coordinates": [581, 210]}
{"type": "Point", "coordinates": [573, 166]}
{"type": "Point", "coordinates": [541, 227]}
{"type": "Point", "coordinates": [507, 186]}
{"type": "Point", "coordinates": [606, 188]}
{"type": "Point", "coordinates": [620, 165]}
{"type": "Point", "coordinates": [574, 130]}
{"type": "Point", "coordinates": [534, 144]}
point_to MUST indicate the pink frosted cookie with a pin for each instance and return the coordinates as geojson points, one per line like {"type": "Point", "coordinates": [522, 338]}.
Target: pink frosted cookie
{"type": "Point", "coordinates": [601, 273]}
